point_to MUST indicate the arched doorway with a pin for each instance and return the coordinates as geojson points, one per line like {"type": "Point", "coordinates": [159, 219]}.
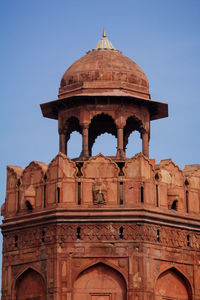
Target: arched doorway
{"type": "Point", "coordinates": [30, 286]}
{"type": "Point", "coordinates": [172, 285]}
{"type": "Point", "coordinates": [99, 282]}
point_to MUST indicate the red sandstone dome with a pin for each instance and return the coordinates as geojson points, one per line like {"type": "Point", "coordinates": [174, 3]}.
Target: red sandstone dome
{"type": "Point", "coordinates": [104, 70]}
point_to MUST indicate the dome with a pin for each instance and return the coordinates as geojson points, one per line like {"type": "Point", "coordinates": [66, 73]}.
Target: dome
{"type": "Point", "coordinates": [104, 70]}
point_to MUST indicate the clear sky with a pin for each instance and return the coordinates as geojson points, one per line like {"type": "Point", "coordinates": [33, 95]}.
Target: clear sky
{"type": "Point", "coordinates": [40, 39]}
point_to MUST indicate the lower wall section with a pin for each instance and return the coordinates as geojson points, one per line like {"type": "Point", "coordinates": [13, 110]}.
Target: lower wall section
{"type": "Point", "coordinates": [98, 262]}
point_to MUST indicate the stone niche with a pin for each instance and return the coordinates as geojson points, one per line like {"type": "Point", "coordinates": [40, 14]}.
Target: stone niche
{"type": "Point", "coordinates": [61, 181]}
{"type": "Point", "coordinates": [100, 181]}
{"type": "Point", "coordinates": [139, 183]}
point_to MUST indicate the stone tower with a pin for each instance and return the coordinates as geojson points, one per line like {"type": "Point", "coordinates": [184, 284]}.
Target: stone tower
{"type": "Point", "coordinates": [96, 227]}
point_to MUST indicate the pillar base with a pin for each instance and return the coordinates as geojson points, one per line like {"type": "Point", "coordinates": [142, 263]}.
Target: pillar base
{"type": "Point", "coordinates": [120, 154]}
{"type": "Point", "coordinates": [84, 156]}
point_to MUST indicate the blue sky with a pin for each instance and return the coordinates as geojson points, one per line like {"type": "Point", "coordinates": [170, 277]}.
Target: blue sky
{"type": "Point", "coordinates": [40, 39]}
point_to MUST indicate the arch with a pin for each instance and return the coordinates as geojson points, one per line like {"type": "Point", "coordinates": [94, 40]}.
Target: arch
{"type": "Point", "coordinates": [34, 173]}
{"type": "Point", "coordinates": [134, 145]}
{"type": "Point", "coordinates": [72, 124]}
{"type": "Point", "coordinates": [99, 261]}
{"type": "Point", "coordinates": [174, 205]}
{"type": "Point", "coordinates": [14, 174]}
{"type": "Point", "coordinates": [172, 284]}
{"type": "Point", "coordinates": [100, 124]}
{"type": "Point", "coordinates": [100, 166]}
{"type": "Point", "coordinates": [99, 281]}
{"type": "Point", "coordinates": [74, 145]}
{"type": "Point", "coordinates": [61, 167]}
{"type": "Point", "coordinates": [105, 143]}
{"type": "Point", "coordinates": [132, 124]}
{"type": "Point", "coordinates": [30, 284]}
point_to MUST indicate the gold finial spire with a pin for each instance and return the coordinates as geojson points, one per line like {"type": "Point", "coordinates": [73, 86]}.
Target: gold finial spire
{"type": "Point", "coordinates": [104, 43]}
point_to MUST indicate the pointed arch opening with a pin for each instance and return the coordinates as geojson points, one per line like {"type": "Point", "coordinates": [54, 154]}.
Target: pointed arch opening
{"type": "Point", "coordinates": [72, 124]}
{"type": "Point", "coordinates": [101, 124]}
{"type": "Point", "coordinates": [30, 285]}
{"type": "Point", "coordinates": [173, 285]}
{"type": "Point", "coordinates": [174, 205]}
{"type": "Point", "coordinates": [74, 145]}
{"type": "Point", "coordinates": [132, 136]}
{"type": "Point", "coordinates": [106, 144]}
{"type": "Point", "coordinates": [99, 281]}
{"type": "Point", "coordinates": [73, 137]}
{"type": "Point", "coordinates": [134, 145]}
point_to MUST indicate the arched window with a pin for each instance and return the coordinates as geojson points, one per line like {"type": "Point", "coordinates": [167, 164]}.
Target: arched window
{"type": "Point", "coordinates": [174, 205]}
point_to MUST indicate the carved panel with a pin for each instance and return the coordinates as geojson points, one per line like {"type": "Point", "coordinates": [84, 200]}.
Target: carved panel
{"type": "Point", "coordinates": [100, 167]}
{"type": "Point", "coordinates": [171, 173]}
{"type": "Point", "coordinates": [34, 173]}
{"type": "Point", "coordinates": [139, 166]}
{"type": "Point", "coordinates": [66, 233]}
{"type": "Point", "coordinates": [61, 167]}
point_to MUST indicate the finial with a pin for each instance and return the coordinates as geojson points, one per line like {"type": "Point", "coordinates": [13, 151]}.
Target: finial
{"type": "Point", "coordinates": [104, 44]}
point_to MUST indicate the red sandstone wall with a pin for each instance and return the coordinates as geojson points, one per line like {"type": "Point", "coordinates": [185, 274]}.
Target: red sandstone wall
{"type": "Point", "coordinates": [109, 233]}
{"type": "Point", "coordinates": [101, 173]}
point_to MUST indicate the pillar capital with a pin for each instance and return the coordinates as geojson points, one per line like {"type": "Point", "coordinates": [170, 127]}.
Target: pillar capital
{"type": "Point", "coordinates": [120, 126]}
{"type": "Point", "coordinates": [85, 125]}
{"type": "Point", "coordinates": [120, 122]}
{"type": "Point", "coordinates": [62, 131]}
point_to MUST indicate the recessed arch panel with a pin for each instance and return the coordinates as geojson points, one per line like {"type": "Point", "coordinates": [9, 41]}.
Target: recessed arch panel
{"type": "Point", "coordinates": [173, 285]}
{"type": "Point", "coordinates": [30, 285]}
{"type": "Point", "coordinates": [99, 282]}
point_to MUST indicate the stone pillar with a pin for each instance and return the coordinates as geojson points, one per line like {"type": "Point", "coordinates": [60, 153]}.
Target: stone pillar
{"type": "Point", "coordinates": [145, 144]}
{"type": "Point", "coordinates": [85, 152]}
{"type": "Point", "coordinates": [120, 146]}
{"type": "Point", "coordinates": [63, 145]}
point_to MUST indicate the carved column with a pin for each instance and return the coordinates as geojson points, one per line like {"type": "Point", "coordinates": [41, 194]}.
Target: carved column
{"type": "Point", "coordinates": [62, 140]}
{"type": "Point", "coordinates": [85, 152]}
{"type": "Point", "coordinates": [145, 144]}
{"type": "Point", "coordinates": [120, 146]}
